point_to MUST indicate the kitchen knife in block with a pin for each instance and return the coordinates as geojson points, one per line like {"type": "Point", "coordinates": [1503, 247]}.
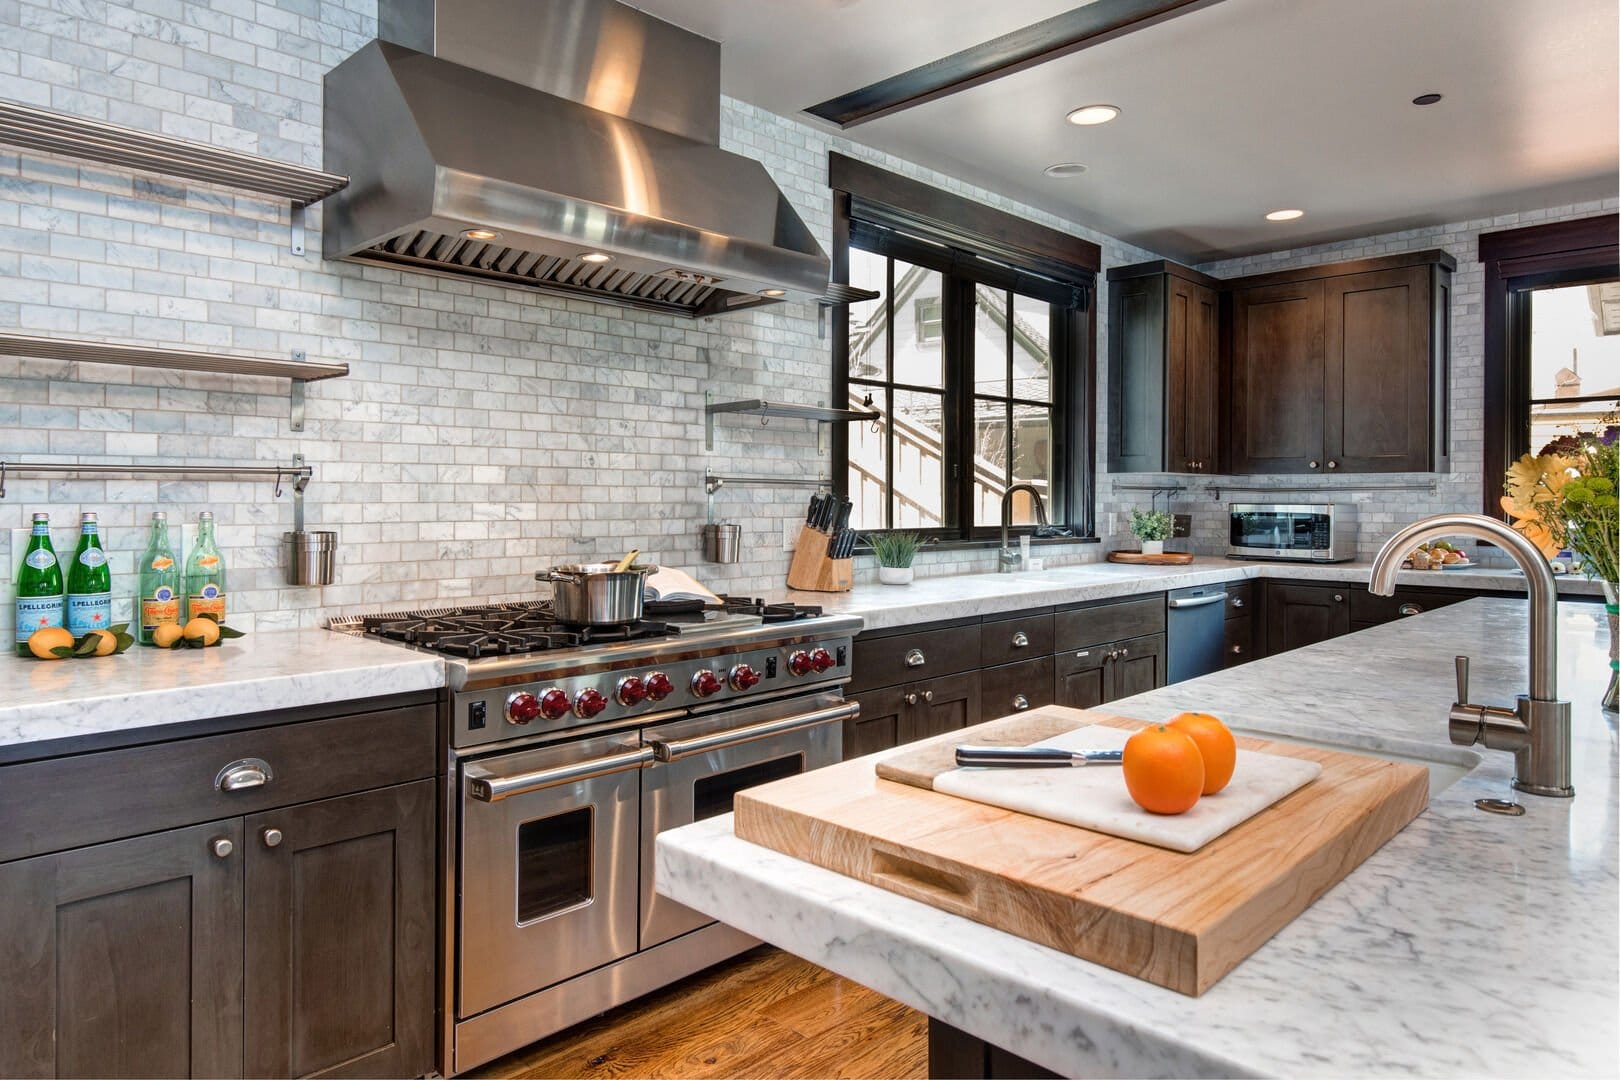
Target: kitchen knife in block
{"type": "Point", "coordinates": [813, 570]}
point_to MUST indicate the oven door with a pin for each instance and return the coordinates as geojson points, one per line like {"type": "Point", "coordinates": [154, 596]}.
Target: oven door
{"type": "Point", "coordinates": [547, 865]}
{"type": "Point", "coordinates": [703, 763]}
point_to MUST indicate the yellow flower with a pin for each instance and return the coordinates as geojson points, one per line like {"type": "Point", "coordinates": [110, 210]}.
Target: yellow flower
{"type": "Point", "coordinates": [1532, 528]}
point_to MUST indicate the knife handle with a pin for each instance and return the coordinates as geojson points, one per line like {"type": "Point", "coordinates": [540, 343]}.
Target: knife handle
{"type": "Point", "coordinates": [1015, 757]}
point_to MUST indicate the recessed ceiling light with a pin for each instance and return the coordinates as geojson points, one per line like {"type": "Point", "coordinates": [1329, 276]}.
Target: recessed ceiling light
{"type": "Point", "coordinates": [480, 234]}
{"type": "Point", "coordinates": [773, 292]}
{"type": "Point", "coordinates": [1064, 169]}
{"type": "Point", "coordinates": [1087, 115]}
{"type": "Point", "coordinates": [595, 257]}
{"type": "Point", "coordinates": [1285, 215]}
{"type": "Point", "coordinates": [1426, 99]}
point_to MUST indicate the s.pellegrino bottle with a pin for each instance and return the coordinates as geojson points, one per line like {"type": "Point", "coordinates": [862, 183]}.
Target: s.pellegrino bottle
{"type": "Point", "coordinates": [39, 582]}
{"type": "Point", "coordinates": [160, 581]}
{"type": "Point", "coordinates": [89, 583]}
{"type": "Point", "coordinates": [205, 574]}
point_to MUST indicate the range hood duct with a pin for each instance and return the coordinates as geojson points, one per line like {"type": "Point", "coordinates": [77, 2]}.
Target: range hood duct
{"type": "Point", "coordinates": [501, 140]}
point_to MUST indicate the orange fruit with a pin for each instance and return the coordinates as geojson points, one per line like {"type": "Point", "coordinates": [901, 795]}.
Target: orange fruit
{"type": "Point", "coordinates": [1164, 772]}
{"type": "Point", "coordinates": [105, 642]}
{"type": "Point", "coordinates": [46, 638]}
{"type": "Point", "coordinates": [1215, 745]}
{"type": "Point", "coordinates": [203, 629]}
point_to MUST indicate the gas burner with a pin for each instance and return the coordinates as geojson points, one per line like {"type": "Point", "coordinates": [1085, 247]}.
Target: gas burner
{"type": "Point", "coordinates": [502, 630]}
{"type": "Point", "coordinates": [771, 613]}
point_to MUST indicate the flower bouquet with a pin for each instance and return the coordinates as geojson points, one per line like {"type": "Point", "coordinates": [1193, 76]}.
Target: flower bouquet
{"type": "Point", "coordinates": [1568, 496]}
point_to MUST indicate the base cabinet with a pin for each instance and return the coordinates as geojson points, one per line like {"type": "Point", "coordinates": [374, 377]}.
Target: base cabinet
{"type": "Point", "coordinates": [901, 714]}
{"type": "Point", "coordinates": [1099, 674]}
{"type": "Point", "coordinates": [1301, 615]}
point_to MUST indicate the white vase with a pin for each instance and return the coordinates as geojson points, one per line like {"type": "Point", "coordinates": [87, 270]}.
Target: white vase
{"type": "Point", "coordinates": [895, 575]}
{"type": "Point", "coordinates": [1153, 547]}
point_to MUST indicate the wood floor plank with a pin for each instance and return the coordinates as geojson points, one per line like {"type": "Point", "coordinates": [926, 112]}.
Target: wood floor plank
{"type": "Point", "coordinates": [765, 1014]}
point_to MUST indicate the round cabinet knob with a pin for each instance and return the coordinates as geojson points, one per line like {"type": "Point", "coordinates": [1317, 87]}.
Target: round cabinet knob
{"type": "Point", "coordinates": [743, 677]}
{"type": "Point", "coordinates": [1237, 650]}
{"type": "Point", "coordinates": [1315, 465]}
{"type": "Point", "coordinates": [221, 847]}
{"type": "Point", "coordinates": [554, 704]}
{"type": "Point", "coordinates": [631, 691]}
{"type": "Point", "coordinates": [589, 703]}
{"type": "Point", "coordinates": [706, 683]}
{"type": "Point", "coordinates": [1020, 703]}
{"type": "Point", "coordinates": [799, 663]}
{"type": "Point", "coordinates": [659, 686]}
{"type": "Point", "coordinates": [1338, 598]}
{"type": "Point", "coordinates": [522, 708]}
{"type": "Point", "coordinates": [911, 698]}
{"type": "Point", "coordinates": [1333, 464]}
{"type": "Point", "coordinates": [821, 660]}
{"type": "Point", "coordinates": [1411, 609]}
{"type": "Point", "coordinates": [1020, 640]}
{"type": "Point", "coordinates": [1124, 652]}
{"type": "Point", "coordinates": [928, 695]}
{"type": "Point", "coordinates": [271, 837]}
{"type": "Point", "coordinates": [1237, 601]}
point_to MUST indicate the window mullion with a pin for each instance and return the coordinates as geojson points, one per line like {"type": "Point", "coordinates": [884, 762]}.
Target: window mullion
{"type": "Point", "coordinates": [890, 438]}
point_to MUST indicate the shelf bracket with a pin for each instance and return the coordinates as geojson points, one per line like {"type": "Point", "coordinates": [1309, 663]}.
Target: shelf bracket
{"type": "Point", "coordinates": [708, 422]}
{"type": "Point", "coordinates": [295, 396]}
{"type": "Point", "coordinates": [295, 226]}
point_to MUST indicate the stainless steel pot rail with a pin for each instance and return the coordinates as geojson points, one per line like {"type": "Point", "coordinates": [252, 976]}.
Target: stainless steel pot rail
{"type": "Point", "coordinates": [298, 473]}
{"type": "Point", "coordinates": [713, 482]}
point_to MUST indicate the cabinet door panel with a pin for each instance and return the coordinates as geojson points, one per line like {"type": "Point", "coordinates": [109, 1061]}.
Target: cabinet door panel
{"type": "Point", "coordinates": [1239, 640]}
{"type": "Point", "coordinates": [1136, 374]}
{"type": "Point", "coordinates": [942, 705]}
{"type": "Point", "coordinates": [1137, 668]}
{"type": "Point", "coordinates": [1193, 364]}
{"type": "Point", "coordinates": [1300, 615]}
{"type": "Point", "coordinates": [1276, 393]}
{"type": "Point", "coordinates": [1082, 677]}
{"type": "Point", "coordinates": [124, 959]}
{"type": "Point", "coordinates": [1015, 687]}
{"type": "Point", "coordinates": [340, 930]}
{"type": "Point", "coordinates": [1376, 376]}
{"type": "Point", "coordinates": [878, 726]}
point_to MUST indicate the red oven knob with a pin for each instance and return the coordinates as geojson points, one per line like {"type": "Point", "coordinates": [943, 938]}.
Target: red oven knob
{"type": "Point", "coordinates": [554, 704]}
{"type": "Point", "coordinates": [658, 686]}
{"type": "Point", "coordinates": [589, 703]}
{"type": "Point", "coordinates": [821, 660]}
{"type": "Point", "coordinates": [522, 707]}
{"type": "Point", "coordinates": [799, 663]}
{"type": "Point", "coordinates": [705, 683]}
{"type": "Point", "coordinates": [631, 691]}
{"type": "Point", "coordinates": [744, 677]}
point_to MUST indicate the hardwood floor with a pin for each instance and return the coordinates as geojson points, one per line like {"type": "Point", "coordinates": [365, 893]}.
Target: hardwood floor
{"type": "Point", "coordinates": [766, 1013]}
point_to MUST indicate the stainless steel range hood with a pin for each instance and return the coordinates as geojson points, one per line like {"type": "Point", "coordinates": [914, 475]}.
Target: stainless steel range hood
{"type": "Point", "coordinates": [504, 139]}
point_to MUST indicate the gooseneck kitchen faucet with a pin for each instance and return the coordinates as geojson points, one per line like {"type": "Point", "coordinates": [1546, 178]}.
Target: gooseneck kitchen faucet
{"type": "Point", "coordinates": [1537, 731]}
{"type": "Point", "coordinates": [1009, 559]}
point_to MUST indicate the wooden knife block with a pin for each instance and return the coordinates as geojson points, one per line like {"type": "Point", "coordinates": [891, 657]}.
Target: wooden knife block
{"type": "Point", "coordinates": [812, 571]}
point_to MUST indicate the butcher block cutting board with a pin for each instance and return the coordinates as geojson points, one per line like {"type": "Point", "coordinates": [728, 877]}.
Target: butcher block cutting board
{"type": "Point", "coordinates": [1094, 796]}
{"type": "Point", "coordinates": [1178, 920]}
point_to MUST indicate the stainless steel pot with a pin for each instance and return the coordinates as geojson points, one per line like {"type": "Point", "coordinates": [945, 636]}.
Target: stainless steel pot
{"type": "Point", "coordinates": [595, 594]}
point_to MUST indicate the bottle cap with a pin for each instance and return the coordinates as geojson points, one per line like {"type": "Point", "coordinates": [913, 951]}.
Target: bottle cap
{"type": "Point", "coordinates": [88, 515]}
{"type": "Point", "coordinates": [206, 515]}
{"type": "Point", "coordinates": [159, 515]}
{"type": "Point", "coordinates": [41, 517]}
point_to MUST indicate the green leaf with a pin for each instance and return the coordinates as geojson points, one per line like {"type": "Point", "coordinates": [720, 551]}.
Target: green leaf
{"type": "Point", "coordinates": [85, 646]}
{"type": "Point", "coordinates": [118, 628]}
{"type": "Point", "coordinates": [229, 632]}
{"type": "Point", "coordinates": [62, 650]}
{"type": "Point", "coordinates": [23, 649]}
{"type": "Point", "coordinates": [124, 640]}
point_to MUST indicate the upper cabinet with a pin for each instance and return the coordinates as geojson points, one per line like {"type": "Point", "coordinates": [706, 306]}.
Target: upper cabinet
{"type": "Point", "coordinates": [1164, 369]}
{"type": "Point", "coordinates": [1343, 368]}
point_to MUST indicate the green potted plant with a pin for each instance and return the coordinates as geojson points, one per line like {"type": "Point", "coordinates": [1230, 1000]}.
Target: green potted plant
{"type": "Point", "coordinates": [1152, 528]}
{"type": "Point", "coordinates": [894, 551]}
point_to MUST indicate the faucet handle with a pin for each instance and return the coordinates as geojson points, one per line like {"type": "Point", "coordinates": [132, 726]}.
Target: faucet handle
{"type": "Point", "coordinates": [1462, 680]}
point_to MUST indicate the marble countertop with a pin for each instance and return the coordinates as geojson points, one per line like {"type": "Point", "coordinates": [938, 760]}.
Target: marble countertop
{"type": "Point", "coordinates": [962, 596]}
{"type": "Point", "coordinates": [1470, 944]}
{"type": "Point", "coordinates": [43, 701]}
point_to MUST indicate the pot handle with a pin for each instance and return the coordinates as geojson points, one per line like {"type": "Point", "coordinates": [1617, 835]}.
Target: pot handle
{"type": "Point", "coordinates": [557, 575]}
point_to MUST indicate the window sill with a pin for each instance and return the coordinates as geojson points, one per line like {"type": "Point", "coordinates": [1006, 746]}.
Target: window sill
{"type": "Point", "coordinates": [990, 544]}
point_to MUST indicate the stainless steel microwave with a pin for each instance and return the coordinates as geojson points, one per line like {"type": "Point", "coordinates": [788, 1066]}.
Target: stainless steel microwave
{"type": "Point", "coordinates": [1304, 532]}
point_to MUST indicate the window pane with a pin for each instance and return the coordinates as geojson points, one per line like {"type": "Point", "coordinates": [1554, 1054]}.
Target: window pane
{"type": "Point", "coordinates": [868, 320]}
{"type": "Point", "coordinates": [989, 460]}
{"type": "Point", "coordinates": [1575, 342]}
{"type": "Point", "coordinates": [868, 464]}
{"type": "Point", "coordinates": [919, 472]}
{"type": "Point", "coordinates": [1554, 420]}
{"type": "Point", "coordinates": [1031, 460]}
{"type": "Point", "coordinates": [918, 325]}
{"type": "Point", "coordinates": [989, 341]}
{"type": "Point", "coordinates": [1032, 349]}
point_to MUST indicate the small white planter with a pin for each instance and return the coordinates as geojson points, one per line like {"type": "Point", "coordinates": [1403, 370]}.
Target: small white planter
{"type": "Point", "coordinates": [1153, 547]}
{"type": "Point", "coordinates": [895, 575]}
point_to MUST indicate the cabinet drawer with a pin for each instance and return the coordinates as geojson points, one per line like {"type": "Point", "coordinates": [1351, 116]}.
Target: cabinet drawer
{"type": "Point", "coordinates": [1239, 641]}
{"type": "Point", "coordinates": [1015, 687]}
{"type": "Point", "coordinates": [909, 657]}
{"type": "Point", "coordinates": [1239, 599]}
{"type": "Point", "coordinates": [1078, 628]}
{"type": "Point", "coordinates": [1008, 640]}
{"type": "Point", "coordinates": [1367, 608]}
{"type": "Point", "coordinates": [67, 802]}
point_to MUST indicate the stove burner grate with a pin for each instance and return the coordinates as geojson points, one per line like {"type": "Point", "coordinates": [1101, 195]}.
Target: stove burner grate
{"type": "Point", "coordinates": [771, 613]}
{"type": "Point", "coordinates": [503, 630]}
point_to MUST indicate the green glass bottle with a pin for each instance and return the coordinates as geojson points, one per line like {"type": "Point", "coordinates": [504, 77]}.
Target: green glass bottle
{"type": "Point", "coordinates": [205, 574]}
{"type": "Point", "coordinates": [89, 583]}
{"type": "Point", "coordinates": [39, 582]}
{"type": "Point", "coordinates": [160, 581]}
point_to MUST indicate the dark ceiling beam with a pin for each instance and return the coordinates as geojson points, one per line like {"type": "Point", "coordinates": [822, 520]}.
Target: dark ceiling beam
{"type": "Point", "coordinates": [1093, 24]}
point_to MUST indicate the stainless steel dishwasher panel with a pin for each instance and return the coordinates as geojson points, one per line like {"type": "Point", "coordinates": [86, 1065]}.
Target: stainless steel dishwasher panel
{"type": "Point", "coordinates": [1195, 635]}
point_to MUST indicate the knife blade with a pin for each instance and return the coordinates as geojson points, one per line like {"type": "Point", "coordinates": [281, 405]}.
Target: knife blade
{"type": "Point", "coordinates": [1034, 757]}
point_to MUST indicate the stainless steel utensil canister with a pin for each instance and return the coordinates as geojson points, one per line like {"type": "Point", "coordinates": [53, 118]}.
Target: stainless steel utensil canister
{"type": "Point", "coordinates": [595, 594]}
{"type": "Point", "coordinates": [722, 543]}
{"type": "Point", "coordinates": [310, 557]}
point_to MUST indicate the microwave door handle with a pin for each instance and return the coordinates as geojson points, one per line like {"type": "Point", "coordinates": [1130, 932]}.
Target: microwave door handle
{"type": "Point", "coordinates": [676, 749]}
{"type": "Point", "coordinates": [486, 786]}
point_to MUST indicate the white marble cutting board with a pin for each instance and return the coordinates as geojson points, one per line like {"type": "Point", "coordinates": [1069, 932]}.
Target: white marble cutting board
{"type": "Point", "coordinates": [1094, 796]}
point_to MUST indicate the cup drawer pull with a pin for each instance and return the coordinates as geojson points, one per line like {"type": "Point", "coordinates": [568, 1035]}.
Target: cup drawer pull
{"type": "Point", "coordinates": [244, 774]}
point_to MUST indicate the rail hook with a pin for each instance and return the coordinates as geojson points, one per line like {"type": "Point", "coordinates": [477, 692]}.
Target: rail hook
{"type": "Point", "coordinates": [2, 479]}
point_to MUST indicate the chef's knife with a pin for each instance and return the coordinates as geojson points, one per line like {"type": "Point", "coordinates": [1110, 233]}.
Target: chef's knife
{"type": "Point", "coordinates": [1034, 757]}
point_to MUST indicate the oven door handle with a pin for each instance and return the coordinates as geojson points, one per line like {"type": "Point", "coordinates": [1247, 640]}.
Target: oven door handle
{"type": "Point", "coordinates": [680, 748]}
{"type": "Point", "coordinates": [491, 787]}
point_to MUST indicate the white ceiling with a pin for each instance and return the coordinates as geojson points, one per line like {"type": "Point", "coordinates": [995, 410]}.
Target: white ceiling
{"type": "Point", "coordinates": [1235, 109]}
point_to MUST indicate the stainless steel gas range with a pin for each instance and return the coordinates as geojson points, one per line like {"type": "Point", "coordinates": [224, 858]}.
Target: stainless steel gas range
{"type": "Point", "coordinates": [566, 752]}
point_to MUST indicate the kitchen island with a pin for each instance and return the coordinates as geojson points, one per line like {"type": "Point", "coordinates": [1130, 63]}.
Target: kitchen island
{"type": "Point", "coordinates": [1470, 943]}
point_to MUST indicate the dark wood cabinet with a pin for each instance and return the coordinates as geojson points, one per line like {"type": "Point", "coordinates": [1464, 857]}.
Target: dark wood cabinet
{"type": "Point", "coordinates": [1097, 675]}
{"type": "Point", "coordinates": [1376, 380]}
{"type": "Point", "coordinates": [1164, 369]}
{"type": "Point", "coordinates": [1082, 677]}
{"type": "Point", "coordinates": [879, 725]}
{"type": "Point", "coordinates": [894, 715]}
{"type": "Point", "coordinates": [1013, 688]}
{"type": "Point", "coordinates": [1275, 394]}
{"type": "Point", "coordinates": [1300, 615]}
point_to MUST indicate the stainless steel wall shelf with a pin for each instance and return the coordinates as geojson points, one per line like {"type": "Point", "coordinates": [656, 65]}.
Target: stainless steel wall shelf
{"type": "Point", "coordinates": [839, 295]}
{"type": "Point", "coordinates": [767, 410]}
{"type": "Point", "coordinates": [297, 472]}
{"type": "Point", "coordinates": [298, 369]}
{"type": "Point", "coordinates": [129, 148]}
{"type": "Point", "coordinates": [713, 482]}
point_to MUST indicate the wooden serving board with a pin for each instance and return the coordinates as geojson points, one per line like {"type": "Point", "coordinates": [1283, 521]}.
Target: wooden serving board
{"type": "Point", "coordinates": [1179, 920]}
{"type": "Point", "coordinates": [1166, 558]}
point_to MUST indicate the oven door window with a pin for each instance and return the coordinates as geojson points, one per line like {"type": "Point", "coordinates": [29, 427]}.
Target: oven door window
{"type": "Point", "coordinates": [1281, 532]}
{"type": "Point", "coordinates": [554, 864]}
{"type": "Point", "coordinates": [713, 795]}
